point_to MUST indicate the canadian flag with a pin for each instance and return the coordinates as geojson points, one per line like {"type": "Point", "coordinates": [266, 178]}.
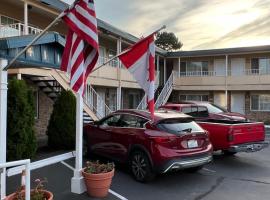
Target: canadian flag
{"type": "Point", "coordinates": [139, 59]}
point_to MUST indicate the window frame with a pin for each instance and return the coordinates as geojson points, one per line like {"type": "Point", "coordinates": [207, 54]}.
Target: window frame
{"type": "Point", "coordinates": [259, 104]}
{"type": "Point", "coordinates": [259, 68]}
{"type": "Point", "coordinates": [102, 120]}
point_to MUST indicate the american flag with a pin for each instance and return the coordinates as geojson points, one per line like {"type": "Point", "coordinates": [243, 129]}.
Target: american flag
{"type": "Point", "coordinates": [81, 49]}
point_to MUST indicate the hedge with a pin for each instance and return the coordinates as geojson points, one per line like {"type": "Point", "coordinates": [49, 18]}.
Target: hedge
{"type": "Point", "coordinates": [21, 139]}
{"type": "Point", "coordinates": [62, 125]}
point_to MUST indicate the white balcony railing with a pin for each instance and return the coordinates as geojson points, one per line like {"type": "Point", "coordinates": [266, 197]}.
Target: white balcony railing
{"type": "Point", "coordinates": [247, 72]}
{"type": "Point", "coordinates": [196, 73]}
{"type": "Point", "coordinates": [17, 29]}
{"type": "Point", "coordinates": [113, 63]}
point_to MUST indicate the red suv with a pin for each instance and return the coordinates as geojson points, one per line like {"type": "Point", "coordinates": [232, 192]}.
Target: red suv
{"type": "Point", "coordinates": [173, 141]}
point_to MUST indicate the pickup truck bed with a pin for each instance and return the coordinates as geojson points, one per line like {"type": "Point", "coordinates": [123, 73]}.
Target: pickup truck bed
{"type": "Point", "coordinates": [236, 137]}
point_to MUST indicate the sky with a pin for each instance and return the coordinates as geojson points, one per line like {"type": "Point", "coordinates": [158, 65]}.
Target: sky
{"type": "Point", "coordinates": [198, 24]}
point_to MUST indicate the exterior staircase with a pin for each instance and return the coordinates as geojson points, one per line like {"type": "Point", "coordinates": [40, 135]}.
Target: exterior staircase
{"type": "Point", "coordinates": [52, 82]}
{"type": "Point", "coordinates": [165, 92]}
{"type": "Point", "coordinates": [143, 104]}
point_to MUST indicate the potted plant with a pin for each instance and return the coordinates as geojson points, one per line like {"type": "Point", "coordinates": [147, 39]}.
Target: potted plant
{"type": "Point", "coordinates": [98, 178]}
{"type": "Point", "coordinates": [39, 193]}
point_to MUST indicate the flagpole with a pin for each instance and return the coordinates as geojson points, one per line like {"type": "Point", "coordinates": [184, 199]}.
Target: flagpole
{"type": "Point", "coordinates": [111, 59]}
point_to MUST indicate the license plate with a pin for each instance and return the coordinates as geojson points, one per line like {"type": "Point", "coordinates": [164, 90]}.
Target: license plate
{"type": "Point", "coordinates": [192, 143]}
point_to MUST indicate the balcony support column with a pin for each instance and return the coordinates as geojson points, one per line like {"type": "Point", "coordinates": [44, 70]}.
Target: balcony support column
{"type": "Point", "coordinates": [226, 84]}
{"type": "Point", "coordinates": [165, 71]}
{"type": "Point", "coordinates": [179, 66]}
{"type": "Point", "coordinates": [3, 123]}
{"type": "Point", "coordinates": [119, 88]}
{"type": "Point", "coordinates": [25, 32]}
{"type": "Point", "coordinates": [158, 68]}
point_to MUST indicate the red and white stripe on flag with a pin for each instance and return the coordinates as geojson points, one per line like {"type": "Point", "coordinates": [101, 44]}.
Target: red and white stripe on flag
{"type": "Point", "coordinates": [140, 61]}
{"type": "Point", "coordinates": [81, 49]}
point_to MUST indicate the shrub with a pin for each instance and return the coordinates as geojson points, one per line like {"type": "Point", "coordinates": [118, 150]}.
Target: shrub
{"type": "Point", "coordinates": [62, 126]}
{"type": "Point", "coordinates": [21, 139]}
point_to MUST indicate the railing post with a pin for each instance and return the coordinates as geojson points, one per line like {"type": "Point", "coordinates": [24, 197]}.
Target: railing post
{"type": "Point", "coordinates": [3, 121]}
{"type": "Point", "coordinates": [27, 181]}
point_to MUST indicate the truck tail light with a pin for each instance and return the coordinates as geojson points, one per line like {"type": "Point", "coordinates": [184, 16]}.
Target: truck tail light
{"type": "Point", "coordinates": [230, 135]}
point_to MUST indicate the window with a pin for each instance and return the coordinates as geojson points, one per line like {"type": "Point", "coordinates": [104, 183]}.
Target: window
{"type": "Point", "coordinates": [179, 127]}
{"type": "Point", "coordinates": [111, 121]}
{"type": "Point", "coordinates": [33, 53]}
{"type": "Point", "coordinates": [260, 102]}
{"type": "Point", "coordinates": [102, 55]}
{"type": "Point", "coordinates": [7, 20]}
{"type": "Point", "coordinates": [196, 111]}
{"type": "Point", "coordinates": [260, 65]}
{"type": "Point", "coordinates": [197, 68]}
{"type": "Point", "coordinates": [202, 111]}
{"type": "Point", "coordinates": [47, 53]}
{"type": "Point", "coordinates": [36, 103]}
{"type": "Point", "coordinates": [193, 97]}
{"type": "Point", "coordinates": [132, 121]}
{"type": "Point", "coordinates": [114, 62]}
{"type": "Point", "coordinates": [183, 68]}
{"type": "Point", "coordinates": [212, 108]}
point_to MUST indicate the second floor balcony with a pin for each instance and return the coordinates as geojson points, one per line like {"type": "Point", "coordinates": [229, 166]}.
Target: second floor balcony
{"type": "Point", "coordinates": [247, 79]}
{"type": "Point", "coordinates": [17, 29]}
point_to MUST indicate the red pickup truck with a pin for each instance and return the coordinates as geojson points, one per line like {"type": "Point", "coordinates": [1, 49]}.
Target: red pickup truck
{"type": "Point", "coordinates": [229, 132]}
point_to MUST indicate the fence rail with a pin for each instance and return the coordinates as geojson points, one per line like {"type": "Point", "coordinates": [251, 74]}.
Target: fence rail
{"type": "Point", "coordinates": [23, 163]}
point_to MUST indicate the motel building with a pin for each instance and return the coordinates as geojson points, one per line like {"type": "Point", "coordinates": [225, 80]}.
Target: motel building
{"type": "Point", "coordinates": [235, 78]}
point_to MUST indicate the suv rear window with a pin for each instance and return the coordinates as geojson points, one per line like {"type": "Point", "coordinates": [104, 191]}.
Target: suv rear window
{"type": "Point", "coordinates": [178, 127]}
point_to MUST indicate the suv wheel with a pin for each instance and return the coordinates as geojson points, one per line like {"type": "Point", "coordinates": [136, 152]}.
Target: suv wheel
{"type": "Point", "coordinates": [140, 167]}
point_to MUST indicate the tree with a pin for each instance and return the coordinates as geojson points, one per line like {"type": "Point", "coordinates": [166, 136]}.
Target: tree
{"type": "Point", "coordinates": [62, 125]}
{"type": "Point", "coordinates": [168, 41]}
{"type": "Point", "coordinates": [21, 139]}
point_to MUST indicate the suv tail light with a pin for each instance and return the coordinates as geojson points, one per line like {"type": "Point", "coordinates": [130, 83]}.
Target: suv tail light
{"type": "Point", "coordinates": [230, 135]}
{"type": "Point", "coordinates": [162, 140]}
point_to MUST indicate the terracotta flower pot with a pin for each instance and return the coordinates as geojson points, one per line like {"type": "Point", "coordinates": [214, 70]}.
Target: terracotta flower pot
{"type": "Point", "coordinates": [98, 184]}
{"type": "Point", "coordinates": [48, 195]}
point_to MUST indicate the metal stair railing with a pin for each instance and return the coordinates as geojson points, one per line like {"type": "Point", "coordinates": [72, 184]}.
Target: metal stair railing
{"type": "Point", "coordinates": [143, 104]}
{"type": "Point", "coordinates": [165, 93]}
{"type": "Point", "coordinates": [93, 99]}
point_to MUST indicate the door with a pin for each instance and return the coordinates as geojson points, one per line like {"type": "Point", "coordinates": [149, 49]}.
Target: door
{"type": "Point", "coordinates": [220, 67]}
{"type": "Point", "coordinates": [220, 99]}
{"type": "Point", "coordinates": [100, 135]}
{"type": "Point", "coordinates": [130, 127]}
{"type": "Point", "coordinates": [100, 102]}
{"type": "Point", "coordinates": [237, 66]}
{"type": "Point", "coordinates": [238, 102]}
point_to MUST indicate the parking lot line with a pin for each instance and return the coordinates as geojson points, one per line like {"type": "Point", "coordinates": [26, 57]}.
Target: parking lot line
{"type": "Point", "coordinates": [117, 195]}
{"type": "Point", "coordinates": [208, 170]}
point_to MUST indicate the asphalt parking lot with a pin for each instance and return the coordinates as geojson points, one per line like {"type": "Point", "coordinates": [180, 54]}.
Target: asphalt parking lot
{"type": "Point", "coordinates": [242, 177]}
